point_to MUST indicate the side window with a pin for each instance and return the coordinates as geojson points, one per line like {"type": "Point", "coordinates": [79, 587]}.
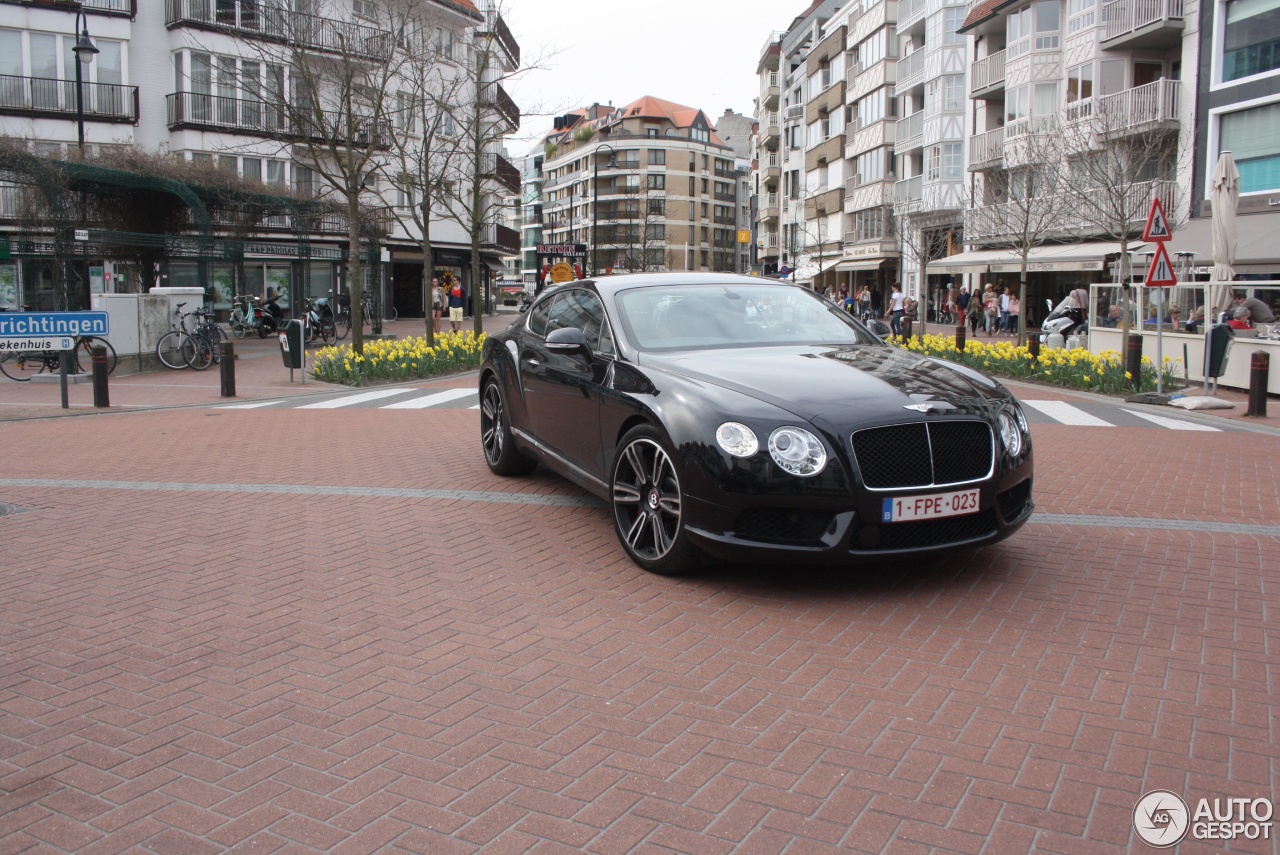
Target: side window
{"type": "Point", "coordinates": [582, 309]}
{"type": "Point", "coordinates": [538, 317]}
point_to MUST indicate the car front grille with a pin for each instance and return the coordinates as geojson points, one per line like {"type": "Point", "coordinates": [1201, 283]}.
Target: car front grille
{"type": "Point", "coordinates": [923, 454]}
{"type": "Point", "coordinates": [782, 525]}
{"type": "Point", "coordinates": [925, 533]}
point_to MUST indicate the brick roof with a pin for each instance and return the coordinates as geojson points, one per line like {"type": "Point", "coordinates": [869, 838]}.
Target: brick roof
{"type": "Point", "coordinates": [981, 12]}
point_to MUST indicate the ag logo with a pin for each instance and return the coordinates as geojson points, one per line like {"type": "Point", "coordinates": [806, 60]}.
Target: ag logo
{"type": "Point", "coordinates": [1161, 818]}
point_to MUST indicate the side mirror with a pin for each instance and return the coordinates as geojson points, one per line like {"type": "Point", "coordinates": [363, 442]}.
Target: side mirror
{"type": "Point", "coordinates": [568, 340]}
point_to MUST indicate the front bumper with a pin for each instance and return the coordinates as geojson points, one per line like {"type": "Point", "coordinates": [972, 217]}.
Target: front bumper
{"type": "Point", "coordinates": [750, 529]}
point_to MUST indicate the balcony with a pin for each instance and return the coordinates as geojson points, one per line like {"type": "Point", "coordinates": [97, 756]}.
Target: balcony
{"type": "Point", "coordinates": [1070, 216]}
{"type": "Point", "coordinates": [503, 171]}
{"type": "Point", "coordinates": [771, 167]}
{"type": "Point", "coordinates": [1142, 23]}
{"type": "Point", "coordinates": [910, 70]}
{"type": "Point", "coordinates": [986, 151]}
{"type": "Point", "coordinates": [271, 22]}
{"type": "Point", "coordinates": [769, 125]}
{"type": "Point", "coordinates": [114, 8]}
{"type": "Point", "coordinates": [495, 96]}
{"type": "Point", "coordinates": [910, 132]}
{"type": "Point", "coordinates": [197, 111]}
{"type": "Point", "coordinates": [909, 11]}
{"type": "Point", "coordinates": [769, 241]}
{"type": "Point", "coordinates": [502, 238]}
{"type": "Point", "coordinates": [37, 97]}
{"type": "Point", "coordinates": [986, 76]}
{"type": "Point", "coordinates": [828, 151]}
{"type": "Point", "coordinates": [1153, 106]}
{"type": "Point", "coordinates": [769, 91]}
{"type": "Point", "coordinates": [908, 192]}
{"type": "Point", "coordinates": [501, 33]}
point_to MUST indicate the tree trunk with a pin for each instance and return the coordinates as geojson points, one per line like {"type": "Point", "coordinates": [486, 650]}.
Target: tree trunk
{"type": "Point", "coordinates": [355, 275]}
{"type": "Point", "coordinates": [428, 273]}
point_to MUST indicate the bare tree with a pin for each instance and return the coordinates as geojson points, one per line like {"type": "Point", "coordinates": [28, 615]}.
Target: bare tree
{"type": "Point", "coordinates": [1122, 152]}
{"type": "Point", "coordinates": [1024, 204]}
{"type": "Point", "coordinates": [925, 241]}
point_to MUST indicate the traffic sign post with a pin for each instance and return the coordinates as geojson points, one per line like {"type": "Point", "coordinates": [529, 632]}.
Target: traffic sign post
{"type": "Point", "coordinates": [1157, 230]}
{"type": "Point", "coordinates": [1159, 275]}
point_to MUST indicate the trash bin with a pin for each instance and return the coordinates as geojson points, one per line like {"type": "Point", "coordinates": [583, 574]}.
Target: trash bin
{"type": "Point", "coordinates": [292, 344]}
{"type": "Point", "coordinates": [1220, 338]}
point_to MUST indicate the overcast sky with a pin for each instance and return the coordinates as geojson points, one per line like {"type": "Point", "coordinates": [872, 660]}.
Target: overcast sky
{"type": "Point", "coordinates": [699, 53]}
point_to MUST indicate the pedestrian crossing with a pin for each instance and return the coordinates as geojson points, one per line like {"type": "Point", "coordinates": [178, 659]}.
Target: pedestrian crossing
{"type": "Point", "coordinates": [1089, 414]}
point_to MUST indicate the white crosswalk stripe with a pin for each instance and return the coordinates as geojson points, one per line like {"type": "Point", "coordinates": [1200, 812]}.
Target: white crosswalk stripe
{"type": "Point", "coordinates": [430, 400]}
{"type": "Point", "coordinates": [352, 400]}
{"type": "Point", "coordinates": [1065, 413]}
{"type": "Point", "coordinates": [249, 406]}
{"type": "Point", "coordinates": [1171, 424]}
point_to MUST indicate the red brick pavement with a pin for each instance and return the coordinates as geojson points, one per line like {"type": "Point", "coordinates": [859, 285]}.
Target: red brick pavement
{"type": "Point", "coordinates": [201, 671]}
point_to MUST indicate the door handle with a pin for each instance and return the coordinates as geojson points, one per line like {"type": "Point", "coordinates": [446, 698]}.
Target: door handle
{"type": "Point", "coordinates": [531, 361]}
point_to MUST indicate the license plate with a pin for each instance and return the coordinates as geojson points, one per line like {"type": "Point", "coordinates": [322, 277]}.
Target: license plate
{"type": "Point", "coordinates": [930, 507]}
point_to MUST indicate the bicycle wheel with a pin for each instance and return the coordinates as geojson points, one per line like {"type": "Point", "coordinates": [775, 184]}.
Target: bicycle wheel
{"type": "Point", "coordinates": [169, 350]}
{"type": "Point", "coordinates": [342, 327]}
{"type": "Point", "coordinates": [238, 327]}
{"type": "Point", "coordinates": [21, 366]}
{"type": "Point", "coordinates": [84, 353]}
{"type": "Point", "coordinates": [390, 314]}
{"type": "Point", "coordinates": [196, 352]}
{"type": "Point", "coordinates": [212, 333]}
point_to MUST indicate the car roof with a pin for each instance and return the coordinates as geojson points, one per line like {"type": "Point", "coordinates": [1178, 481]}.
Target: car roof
{"type": "Point", "coordinates": [613, 284]}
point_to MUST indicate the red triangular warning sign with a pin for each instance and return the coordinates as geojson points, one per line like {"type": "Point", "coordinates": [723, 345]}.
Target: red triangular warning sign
{"type": "Point", "coordinates": [1157, 224]}
{"type": "Point", "coordinates": [1160, 273]}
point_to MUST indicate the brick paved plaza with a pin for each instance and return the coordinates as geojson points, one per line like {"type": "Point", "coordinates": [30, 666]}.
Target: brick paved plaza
{"type": "Point", "coordinates": [285, 630]}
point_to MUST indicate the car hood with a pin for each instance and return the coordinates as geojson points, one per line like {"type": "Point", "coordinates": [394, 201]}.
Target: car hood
{"type": "Point", "coordinates": [840, 385]}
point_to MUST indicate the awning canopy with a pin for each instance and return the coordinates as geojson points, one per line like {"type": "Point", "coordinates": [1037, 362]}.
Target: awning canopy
{"type": "Point", "coordinates": [1258, 249]}
{"type": "Point", "coordinates": [860, 264]}
{"type": "Point", "coordinates": [1042, 259]}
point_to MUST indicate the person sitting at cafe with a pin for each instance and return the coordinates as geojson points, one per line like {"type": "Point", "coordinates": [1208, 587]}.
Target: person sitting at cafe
{"type": "Point", "coordinates": [1196, 320]}
{"type": "Point", "coordinates": [1240, 319]}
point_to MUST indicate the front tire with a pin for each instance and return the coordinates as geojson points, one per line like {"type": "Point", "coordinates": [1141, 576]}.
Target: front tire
{"type": "Point", "coordinates": [647, 504]}
{"type": "Point", "coordinates": [500, 450]}
{"type": "Point", "coordinates": [169, 351]}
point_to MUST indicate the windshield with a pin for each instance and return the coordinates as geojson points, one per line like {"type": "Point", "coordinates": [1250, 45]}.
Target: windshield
{"type": "Point", "coordinates": [679, 317]}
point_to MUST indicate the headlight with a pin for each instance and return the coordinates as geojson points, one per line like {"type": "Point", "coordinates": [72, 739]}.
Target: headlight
{"type": "Point", "coordinates": [738, 440]}
{"type": "Point", "coordinates": [1010, 435]}
{"type": "Point", "coordinates": [797, 451]}
{"type": "Point", "coordinates": [1022, 418]}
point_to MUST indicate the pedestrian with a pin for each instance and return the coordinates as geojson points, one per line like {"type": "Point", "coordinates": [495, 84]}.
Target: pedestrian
{"type": "Point", "coordinates": [436, 304]}
{"type": "Point", "coordinates": [864, 303]}
{"type": "Point", "coordinates": [1004, 310]}
{"type": "Point", "coordinates": [897, 307]}
{"type": "Point", "coordinates": [1259, 312]}
{"type": "Point", "coordinates": [456, 297]}
{"type": "Point", "coordinates": [1015, 313]}
{"type": "Point", "coordinates": [991, 310]}
{"type": "Point", "coordinates": [962, 302]}
{"type": "Point", "coordinates": [975, 315]}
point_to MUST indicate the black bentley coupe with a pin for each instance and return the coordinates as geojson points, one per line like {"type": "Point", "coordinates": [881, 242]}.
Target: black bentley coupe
{"type": "Point", "coordinates": [745, 419]}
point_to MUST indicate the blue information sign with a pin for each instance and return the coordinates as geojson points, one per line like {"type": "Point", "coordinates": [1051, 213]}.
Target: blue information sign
{"type": "Point", "coordinates": [31, 324]}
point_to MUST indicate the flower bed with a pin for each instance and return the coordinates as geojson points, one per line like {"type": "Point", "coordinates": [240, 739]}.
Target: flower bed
{"type": "Point", "coordinates": [389, 360]}
{"type": "Point", "coordinates": [1076, 369]}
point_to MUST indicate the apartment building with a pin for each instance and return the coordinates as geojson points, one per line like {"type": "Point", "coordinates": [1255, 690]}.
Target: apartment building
{"type": "Point", "coordinates": [738, 131]}
{"type": "Point", "coordinates": [217, 83]}
{"type": "Point", "coordinates": [1238, 110]}
{"type": "Point", "coordinates": [929, 196]}
{"type": "Point", "coordinates": [1080, 82]}
{"type": "Point", "coordinates": [646, 186]}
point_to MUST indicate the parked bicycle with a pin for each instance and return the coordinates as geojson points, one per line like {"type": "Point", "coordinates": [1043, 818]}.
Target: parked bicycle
{"type": "Point", "coordinates": [179, 348]}
{"type": "Point", "coordinates": [389, 313]}
{"type": "Point", "coordinates": [342, 321]}
{"type": "Point", "coordinates": [209, 329]}
{"type": "Point", "coordinates": [319, 319]}
{"type": "Point", "coordinates": [241, 320]}
{"type": "Point", "coordinates": [22, 365]}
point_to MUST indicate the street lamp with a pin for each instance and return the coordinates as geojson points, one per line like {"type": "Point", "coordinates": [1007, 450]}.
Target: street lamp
{"type": "Point", "coordinates": [595, 202]}
{"type": "Point", "coordinates": [84, 51]}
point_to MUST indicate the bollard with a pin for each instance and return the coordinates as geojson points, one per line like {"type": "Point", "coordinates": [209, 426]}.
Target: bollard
{"type": "Point", "coordinates": [101, 398]}
{"type": "Point", "coordinates": [1033, 348]}
{"type": "Point", "coordinates": [228, 370]}
{"type": "Point", "coordinates": [1133, 361]}
{"type": "Point", "coordinates": [960, 338]}
{"type": "Point", "coordinates": [1259, 368]}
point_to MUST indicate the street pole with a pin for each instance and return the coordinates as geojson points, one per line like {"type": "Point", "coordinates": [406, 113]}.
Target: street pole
{"type": "Point", "coordinates": [84, 50]}
{"type": "Point", "coordinates": [595, 202]}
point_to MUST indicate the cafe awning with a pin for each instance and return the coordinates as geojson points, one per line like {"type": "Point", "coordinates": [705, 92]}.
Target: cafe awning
{"type": "Point", "coordinates": [860, 264]}
{"type": "Point", "coordinates": [1257, 249]}
{"type": "Point", "coordinates": [1043, 259]}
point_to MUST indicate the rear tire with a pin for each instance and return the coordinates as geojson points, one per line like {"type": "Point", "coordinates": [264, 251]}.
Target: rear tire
{"type": "Point", "coordinates": [499, 446]}
{"type": "Point", "coordinates": [197, 352]}
{"type": "Point", "coordinates": [21, 366]}
{"type": "Point", "coordinates": [84, 353]}
{"type": "Point", "coordinates": [647, 504]}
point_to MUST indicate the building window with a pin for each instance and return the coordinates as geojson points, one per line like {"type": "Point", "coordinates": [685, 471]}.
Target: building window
{"type": "Point", "coordinates": [1035, 25]}
{"type": "Point", "coordinates": [952, 161]}
{"type": "Point", "coordinates": [1251, 41]}
{"type": "Point", "coordinates": [657, 181]}
{"type": "Point", "coordinates": [1080, 14]}
{"type": "Point", "coordinates": [657, 207]}
{"type": "Point", "coordinates": [953, 21]}
{"type": "Point", "coordinates": [1080, 83]}
{"type": "Point", "coordinates": [953, 94]}
{"type": "Point", "coordinates": [1253, 136]}
{"type": "Point", "coordinates": [657, 157]}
